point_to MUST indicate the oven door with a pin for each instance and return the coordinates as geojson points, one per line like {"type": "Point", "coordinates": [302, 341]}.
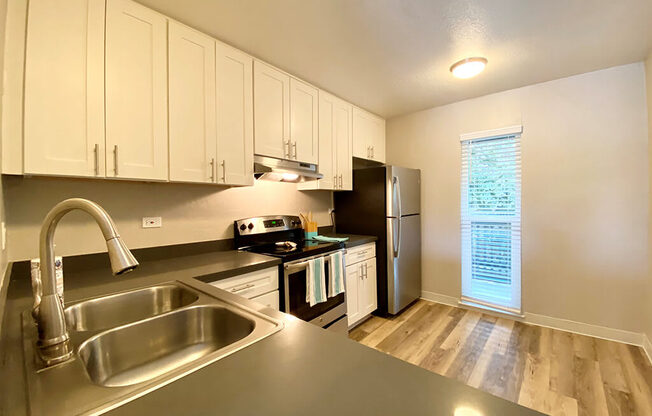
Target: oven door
{"type": "Point", "coordinates": [295, 292]}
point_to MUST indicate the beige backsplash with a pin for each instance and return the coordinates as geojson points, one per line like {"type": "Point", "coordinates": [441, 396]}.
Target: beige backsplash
{"type": "Point", "coordinates": [190, 212]}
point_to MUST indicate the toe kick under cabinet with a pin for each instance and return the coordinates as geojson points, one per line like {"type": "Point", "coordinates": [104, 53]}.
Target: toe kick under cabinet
{"type": "Point", "coordinates": [361, 291]}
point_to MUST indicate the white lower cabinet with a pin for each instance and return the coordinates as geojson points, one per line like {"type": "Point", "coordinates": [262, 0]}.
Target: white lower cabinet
{"type": "Point", "coordinates": [361, 281]}
{"type": "Point", "coordinates": [260, 286]}
{"type": "Point", "coordinates": [268, 299]}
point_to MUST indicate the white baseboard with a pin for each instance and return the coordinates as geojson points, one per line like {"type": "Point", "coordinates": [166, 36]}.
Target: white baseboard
{"type": "Point", "coordinates": [647, 347]}
{"type": "Point", "coordinates": [438, 298]}
{"type": "Point", "coordinates": [611, 334]}
{"type": "Point", "coordinates": [596, 331]}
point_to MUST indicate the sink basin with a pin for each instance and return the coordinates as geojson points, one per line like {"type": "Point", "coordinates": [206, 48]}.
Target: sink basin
{"type": "Point", "coordinates": [132, 342]}
{"type": "Point", "coordinates": [143, 351]}
{"type": "Point", "coordinates": [122, 308]}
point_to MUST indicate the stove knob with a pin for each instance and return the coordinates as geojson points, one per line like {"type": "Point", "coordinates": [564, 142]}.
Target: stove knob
{"type": "Point", "coordinates": [243, 227]}
{"type": "Point", "coordinates": [251, 225]}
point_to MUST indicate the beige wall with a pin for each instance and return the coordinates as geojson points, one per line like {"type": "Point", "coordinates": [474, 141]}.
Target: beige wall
{"type": "Point", "coordinates": [648, 85]}
{"type": "Point", "coordinates": [3, 15]}
{"type": "Point", "coordinates": [190, 212]}
{"type": "Point", "coordinates": [584, 197]}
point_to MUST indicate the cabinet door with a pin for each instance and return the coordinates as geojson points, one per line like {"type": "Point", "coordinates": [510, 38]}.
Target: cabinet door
{"type": "Point", "coordinates": [191, 67]}
{"type": "Point", "coordinates": [304, 103]}
{"type": "Point", "coordinates": [64, 88]}
{"type": "Point", "coordinates": [369, 292]}
{"type": "Point", "coordinates": [271, 112]}
{"type": "Point", "coordinates": [368, 136]}
{"type": "Point", "coordinates": [353, 283]}
{"type": "Point", "coordinates": [378, 142]}
{"type": "Point", "coordinates": [361, 131]}
{"type": "Point", "coordinates": [136, 92]}
{"type": "Point", "coordinates": [327, 153]}
{"type": "Point", "coordinates": [235, 116]}
{"type": "Point", "coordinates": [344, 144]}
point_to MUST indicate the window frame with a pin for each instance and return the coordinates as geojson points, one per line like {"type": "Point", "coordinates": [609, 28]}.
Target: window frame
{"type": "Point", "coordinates": [514, 305]}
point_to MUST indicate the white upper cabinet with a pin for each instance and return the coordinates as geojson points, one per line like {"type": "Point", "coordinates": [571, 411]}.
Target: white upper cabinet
{"type": "Point", "coordinates": [64, 88]}
{"type": "Point", "coordinates": [271, 112]}
{"type": "Point", "coordinates": [368, 136]}
{"type": "Point", "coordinates": [335, 145]}
{"type": "Point", "coordinates": [191, 73]}
{"type": "Point", "coordinates": [342, 127]}
{"type": "Point", "coordinates": [304, 126]}
{"type": "Point", "coordinates": [136, 92]}
{"type": "Point", "coordinates": [235, 117]}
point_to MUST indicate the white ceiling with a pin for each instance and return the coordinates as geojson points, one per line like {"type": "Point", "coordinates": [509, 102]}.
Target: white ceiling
{"type": "Point", "coordinates": [393, 56]}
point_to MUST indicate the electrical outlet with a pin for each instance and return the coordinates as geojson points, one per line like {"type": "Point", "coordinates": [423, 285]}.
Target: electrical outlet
{"type": "Point", "coordinates": [152, 222]}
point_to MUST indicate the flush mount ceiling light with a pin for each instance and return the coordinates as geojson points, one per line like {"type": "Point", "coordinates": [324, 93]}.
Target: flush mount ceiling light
{"type": "Point", "coordinates": [469, 67]}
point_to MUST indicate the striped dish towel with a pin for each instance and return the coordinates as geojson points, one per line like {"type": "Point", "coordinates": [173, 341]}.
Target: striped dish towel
{"type": "Point", "coordinates": [315, 282]}
{"type": "Point", "coordinates": [335, 275]}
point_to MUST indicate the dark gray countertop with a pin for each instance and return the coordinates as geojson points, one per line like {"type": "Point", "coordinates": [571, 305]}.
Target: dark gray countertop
{"type": "Point", "coordinates": [353, 239]}
{"type": "Point", "coordinates": [298, 371]}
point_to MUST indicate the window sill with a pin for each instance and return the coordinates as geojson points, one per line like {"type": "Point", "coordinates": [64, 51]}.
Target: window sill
{"type": "Point", "coordinates": [486, 308]}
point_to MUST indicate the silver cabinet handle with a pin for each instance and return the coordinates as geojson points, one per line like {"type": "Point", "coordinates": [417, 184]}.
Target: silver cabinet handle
{"type": "Point", "coordinates": [335, 181]}
{"type": "Point", "coordinates": [366, 271]}
{"type": "Point", "coordinates": [224, 170]}
{"type": "Point", "coordinates": [115, 159]}
{"type": "Point", "coordinates": [294, 146]}
{"type": "Point", "coordinates": [368, 151]}
{"type": "Point", "coordinates": [372, 152]}
{"type": "Point", "coordinates": [361, 271]}
{"type": "Point", "coordinates": [340, 183]}
{"type": "Point", "coordinates": [243, 287]}
{"type": "Point", "coordinates": [212, 165]}
{"type": "Point", "coordinates": [97, 159]}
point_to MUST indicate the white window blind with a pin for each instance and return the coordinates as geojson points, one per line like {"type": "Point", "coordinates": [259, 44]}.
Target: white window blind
{"type": "Point", "coordinates": [491, 219]}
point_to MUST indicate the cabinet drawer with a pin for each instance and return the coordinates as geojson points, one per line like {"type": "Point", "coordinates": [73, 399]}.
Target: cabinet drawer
{"type": "Point", "coordinates": [268, 299]}
{"type": "Point", "coordinates": [251, 284]}
{"type": "Point", "coordinates": [361, 253]}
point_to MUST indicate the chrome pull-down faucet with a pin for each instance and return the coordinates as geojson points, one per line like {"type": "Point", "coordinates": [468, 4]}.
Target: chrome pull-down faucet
{"type": "Point", "coordinates": [53, 344]}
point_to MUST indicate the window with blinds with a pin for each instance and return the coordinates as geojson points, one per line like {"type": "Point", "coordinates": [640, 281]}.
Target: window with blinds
{"type": "Point", "coordinates": [491, 218]}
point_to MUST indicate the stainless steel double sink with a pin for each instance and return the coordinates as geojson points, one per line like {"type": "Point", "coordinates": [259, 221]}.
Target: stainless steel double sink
{"type": "Point", "coordinates": [133, 342]}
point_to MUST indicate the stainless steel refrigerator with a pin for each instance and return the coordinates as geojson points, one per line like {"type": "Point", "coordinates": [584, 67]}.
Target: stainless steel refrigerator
{"type": "Point", "coordinates": [386, 202]}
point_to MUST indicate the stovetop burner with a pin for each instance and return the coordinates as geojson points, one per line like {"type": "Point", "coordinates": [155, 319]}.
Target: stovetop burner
{"type": "Point", "coordinates": [287, 252]}
{"type": "Point", "coordinates": [279, 236]}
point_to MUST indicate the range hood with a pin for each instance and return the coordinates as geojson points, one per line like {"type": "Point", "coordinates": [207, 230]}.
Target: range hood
{"type": "Point", "coordinates": [272, 169]}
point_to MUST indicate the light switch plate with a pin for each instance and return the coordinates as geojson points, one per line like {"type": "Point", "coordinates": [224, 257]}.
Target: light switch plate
{"type": "Point", "coordinates": [152, 222]}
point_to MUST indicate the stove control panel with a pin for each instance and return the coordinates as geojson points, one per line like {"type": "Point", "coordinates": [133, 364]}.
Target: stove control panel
{"type": "Point", "coordinates": [266, 224]}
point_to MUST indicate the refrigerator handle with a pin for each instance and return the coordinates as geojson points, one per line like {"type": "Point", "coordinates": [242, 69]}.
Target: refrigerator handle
{"type": "Point", "coordinates": [397, 190]}
{"type": "Point", "coordinates": [396, 241]}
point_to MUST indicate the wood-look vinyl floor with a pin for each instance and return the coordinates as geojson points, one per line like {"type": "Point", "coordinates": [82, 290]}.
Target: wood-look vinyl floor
{"type": "Point", "coordinates": [552, 371]}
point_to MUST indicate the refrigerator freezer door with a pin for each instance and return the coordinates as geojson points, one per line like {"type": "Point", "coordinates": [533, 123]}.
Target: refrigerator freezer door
{"type": "Point", "coordinates": [404, 191]}
{"type": "Point", "coordinates": [403, 261]}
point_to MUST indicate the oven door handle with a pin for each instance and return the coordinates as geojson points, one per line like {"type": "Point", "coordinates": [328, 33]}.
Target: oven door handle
{"type": "Point", "coordinates": [295, 267]}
